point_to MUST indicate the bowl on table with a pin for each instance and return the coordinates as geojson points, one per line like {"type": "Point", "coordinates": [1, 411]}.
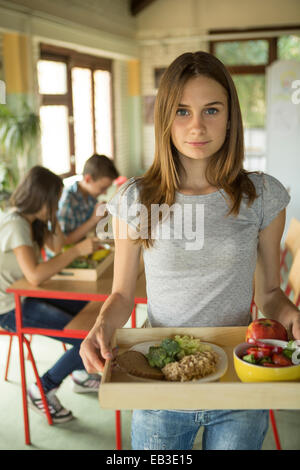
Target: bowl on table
{"type": "Point", "coordinates": [257, 373]}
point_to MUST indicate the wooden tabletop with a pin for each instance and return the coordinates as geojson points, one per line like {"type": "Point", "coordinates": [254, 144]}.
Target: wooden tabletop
{"type": "Point", "coordinates": [84, 290]}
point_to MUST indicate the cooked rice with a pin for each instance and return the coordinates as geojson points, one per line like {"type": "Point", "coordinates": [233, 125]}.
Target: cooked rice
{"type": "Point", "coordinates": [192, 367]}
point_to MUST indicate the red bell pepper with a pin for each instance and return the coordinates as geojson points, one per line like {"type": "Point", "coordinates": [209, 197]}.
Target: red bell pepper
{"type": "Point", "coordinates": [261, 344]}
{"type": "Point", "coordinates": [260, 352]}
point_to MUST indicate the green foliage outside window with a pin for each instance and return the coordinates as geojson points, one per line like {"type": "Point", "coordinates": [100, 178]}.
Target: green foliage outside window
{"type": "Point", "coordinates": [289, 47]}
{"type": "Point", "coordinates": [251, 87]}
{"type": "Point", "coordinates": [251, 93]}
{"type": "Point", "coordinates": [254, 52]}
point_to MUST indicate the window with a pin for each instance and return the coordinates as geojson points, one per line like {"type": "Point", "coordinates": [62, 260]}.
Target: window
{"type": "Point", "coordinates": [76, 111]}
{"type": "Point", "coordinates": [289, 47]}
{"type": "Point", "coordinates": [246, 60]}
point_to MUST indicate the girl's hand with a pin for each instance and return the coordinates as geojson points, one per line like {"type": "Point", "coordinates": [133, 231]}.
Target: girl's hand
{"type": "Point", "coordinates": [87, 246]}
{"type": "Point", "coordinates": [96, 348]}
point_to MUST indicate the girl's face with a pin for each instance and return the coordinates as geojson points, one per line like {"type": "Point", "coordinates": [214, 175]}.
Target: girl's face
{"type": "Point", "coordinates": [43, 213]}
{"type": "Point", "coordinates": [199, 128]}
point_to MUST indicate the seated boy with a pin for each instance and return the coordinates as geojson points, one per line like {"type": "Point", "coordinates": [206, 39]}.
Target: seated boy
{"type": "Point", "coordinates": [78, 206]}
{"type": "Point", "coordinates": [77, 216]}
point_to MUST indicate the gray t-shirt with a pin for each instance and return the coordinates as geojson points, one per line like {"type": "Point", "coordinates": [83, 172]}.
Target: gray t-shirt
{"type": "Point", "coordinates": [15, 231]}
{"type": "Point", "coordinates": [199, 272]}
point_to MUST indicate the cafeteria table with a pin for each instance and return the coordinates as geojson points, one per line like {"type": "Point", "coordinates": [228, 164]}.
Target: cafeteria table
{"type": "Point", "coordinates": [64, 289]}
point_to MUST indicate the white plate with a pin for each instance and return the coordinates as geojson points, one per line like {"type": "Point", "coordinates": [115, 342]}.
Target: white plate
{"type": "Point", "coordinates": [222, 363]}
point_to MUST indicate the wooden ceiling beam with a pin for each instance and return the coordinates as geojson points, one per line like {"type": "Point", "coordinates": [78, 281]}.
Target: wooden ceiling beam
{"type": "Point", "coordinates": [136, 6]}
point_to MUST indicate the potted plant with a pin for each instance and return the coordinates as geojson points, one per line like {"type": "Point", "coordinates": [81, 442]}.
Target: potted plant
{"type": "Point", "coordinates": [8, 182]}
{"type": "Point", "coordinates": [19, 134]}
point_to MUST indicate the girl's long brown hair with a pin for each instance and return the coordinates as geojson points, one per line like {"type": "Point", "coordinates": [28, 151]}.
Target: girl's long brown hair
{"type": "Point", "coordinates": [40, 186]}
{"type": "Point", "coordinates": [225, 168]}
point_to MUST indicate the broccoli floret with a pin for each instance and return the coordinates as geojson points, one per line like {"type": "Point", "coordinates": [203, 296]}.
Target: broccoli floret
{"type": "Point", "coordinates": [171, 346]}
{"type": "Point", "coordinates": [173, 349]}
{"type": "Point", "coordinates": [157, 356]}
{"type": "Point", "coordinates": [249, 358]}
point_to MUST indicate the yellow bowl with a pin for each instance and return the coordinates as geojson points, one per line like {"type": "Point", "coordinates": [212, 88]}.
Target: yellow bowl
{"type": "Point", "coordinates": [253, 373]}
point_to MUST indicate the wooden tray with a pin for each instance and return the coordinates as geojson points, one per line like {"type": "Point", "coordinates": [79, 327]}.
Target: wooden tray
{"type": "Point", "coordinates": [73, 274]}
{"type": "Point", "coordinates": [121, 391]}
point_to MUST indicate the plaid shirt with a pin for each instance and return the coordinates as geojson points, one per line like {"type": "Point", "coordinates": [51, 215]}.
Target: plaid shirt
{"type": "Point", "coordinates": [74, 209]}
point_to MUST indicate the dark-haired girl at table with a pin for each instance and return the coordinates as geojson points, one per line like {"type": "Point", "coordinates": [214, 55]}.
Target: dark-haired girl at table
{"type": "Point", "coordinates": [24, 230]}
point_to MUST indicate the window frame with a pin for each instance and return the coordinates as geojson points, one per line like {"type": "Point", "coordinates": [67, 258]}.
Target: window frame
{"type": "Point", "coordinates": [273, 46]}
{"type": "Point", "coordinates": [72, 59]}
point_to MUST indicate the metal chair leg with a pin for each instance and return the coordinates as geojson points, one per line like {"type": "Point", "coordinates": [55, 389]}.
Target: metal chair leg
{"type": "Point", "coordinates": [118, 430]}
{"type": "Point", "coordinates": [8, 357]}
{"type": "Point", "coordinates": [39, 383]}
{"type": "Point", "coordinates": [275, 431]}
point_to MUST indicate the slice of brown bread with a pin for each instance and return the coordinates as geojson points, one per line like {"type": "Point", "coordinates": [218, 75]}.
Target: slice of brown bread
{"type": "Point", "coordinates": [135, 363]}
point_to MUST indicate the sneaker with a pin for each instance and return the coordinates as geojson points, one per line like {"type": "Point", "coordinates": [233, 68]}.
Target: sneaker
{"type": "Point", "coordinates": [58, 413]}
{"type": "Point", "coordinates": [84, 382]}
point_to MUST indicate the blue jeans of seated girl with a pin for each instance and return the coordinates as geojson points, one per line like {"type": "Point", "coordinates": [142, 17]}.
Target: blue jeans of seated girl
{"type": "Point", "coordinates": [177, 430]}
{"type": "Point", "coordinates": [54, 314]}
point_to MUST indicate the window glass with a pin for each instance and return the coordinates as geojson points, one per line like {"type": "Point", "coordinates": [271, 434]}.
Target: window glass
{"type": "Point", "coordinates": [251, 93]}
{"type": "Point", "coordinates": [83, 115]}
{"type": "Point", "coordinates": [52, 77]}
{"type": "Point", "coordinates": [55, 138]}
{"type": "Point", "coordinates": [252, 52]}
{"type": "Point", "coordinates": [289, 47]}
{"type": "Point", "coordinates": [103, 116]}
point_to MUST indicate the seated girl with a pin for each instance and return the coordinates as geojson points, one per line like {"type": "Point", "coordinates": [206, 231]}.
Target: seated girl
{"type": "Point", "coordinates": [26, 227]}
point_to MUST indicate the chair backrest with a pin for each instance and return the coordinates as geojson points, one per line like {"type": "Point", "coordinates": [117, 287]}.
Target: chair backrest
{"type": "Point", "coordinates": [292, 240]}
{"type": "Point", "coordinates": [294, 278]}
{"type": "Point", "coordinates": [120, 180]}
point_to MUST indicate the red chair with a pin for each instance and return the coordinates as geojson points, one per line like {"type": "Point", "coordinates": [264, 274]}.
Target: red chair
{"type": "Point", "coordinates": [120, 180]}
{"type": "Point", "coordinates": [30, 356]}
{"type": "Point", "coordinates": [9, 352]}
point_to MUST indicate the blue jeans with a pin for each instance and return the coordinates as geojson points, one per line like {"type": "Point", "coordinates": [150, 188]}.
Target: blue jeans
{"type": "Point", "coordinates": [177, 430]}
{"type": "Point", "coordinates": [54, 314]}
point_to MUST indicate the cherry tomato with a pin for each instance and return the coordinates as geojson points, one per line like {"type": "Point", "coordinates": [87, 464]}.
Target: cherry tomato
{"type": "Point", "coordinates": [274, 349]}
{"type": "Point", "coordinates": [281, 360]}
{"type": "Point", "coordinates": [260, 352]}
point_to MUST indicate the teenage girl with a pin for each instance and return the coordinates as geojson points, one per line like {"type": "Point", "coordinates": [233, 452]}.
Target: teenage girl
{"type": "Point", "coordinates": [25, 228]}
{"type": "Point", "coordinates": [233, 222]}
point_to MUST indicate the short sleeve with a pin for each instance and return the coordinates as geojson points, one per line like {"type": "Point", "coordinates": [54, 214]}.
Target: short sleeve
{"type": "Point", "coordinates": [15, 233]}
{"type": "Point", "coordinates": [65, 214]}
{"type": "Point", "coordinates": [125, 204]}
{"type": "Point", "coordinates": [274, 199]}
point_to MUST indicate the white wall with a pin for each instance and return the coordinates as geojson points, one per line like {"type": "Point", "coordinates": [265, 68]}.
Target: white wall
{"type": "Point", "coordinates": [110, 16]}
{"type": "Point", "coordinates": [177, 17]}
{"type": "Point", "coordinates": [283, 131]}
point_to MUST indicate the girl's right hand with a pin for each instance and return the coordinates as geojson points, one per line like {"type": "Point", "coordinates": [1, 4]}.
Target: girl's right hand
{"type": "Point", "coordinates": [96, 348]}
{"type": "Point", "coordinates": [87, 246]}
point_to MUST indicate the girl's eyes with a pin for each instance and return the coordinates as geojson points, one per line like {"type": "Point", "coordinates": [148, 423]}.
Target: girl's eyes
{"type": "Point", "coordinates": [185, 112]}
{"type": "Point", "coordinates": [211, 111]}
{"type": "Point", "coordinates": [182, 112]}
